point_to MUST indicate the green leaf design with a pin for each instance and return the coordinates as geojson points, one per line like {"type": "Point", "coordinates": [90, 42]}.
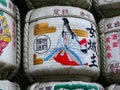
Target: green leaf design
{"type": "Point", "coordinates": [77, 86]}
{"type": "Point", "coordinates": [3, 2]}
{"type": "Point", "coordinates": [1, 13]}
{"type": "Point", "coordinates": [62, 87]}
{"type": "Point", "coordinates": [91, 87]}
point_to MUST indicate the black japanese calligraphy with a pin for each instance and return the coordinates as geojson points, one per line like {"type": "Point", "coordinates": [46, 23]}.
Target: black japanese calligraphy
{"type": "Point", "coordinates": [93, 57]}
{"type": "Point", "coordinates": [92, 45]}
{"type": "Point", "coordinates": [91, 31]}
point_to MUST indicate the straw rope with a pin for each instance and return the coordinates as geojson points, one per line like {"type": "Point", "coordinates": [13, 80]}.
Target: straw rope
{"type": "Point", "coordinates": [26, 39]}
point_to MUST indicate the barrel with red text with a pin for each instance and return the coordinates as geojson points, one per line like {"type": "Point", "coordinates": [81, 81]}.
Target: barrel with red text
{"type": "Point", "coordinates": [110, 51]}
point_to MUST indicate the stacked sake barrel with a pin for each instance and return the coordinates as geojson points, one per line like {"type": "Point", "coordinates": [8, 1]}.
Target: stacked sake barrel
{"type": "Point", "coordinates": [109, 28]}
{"type": "Point", "coordinates": [109, 37]}
{"type": "Point", "coordinates": [9, 44]}
{"type": "Point", "coordinates": [61, 45]}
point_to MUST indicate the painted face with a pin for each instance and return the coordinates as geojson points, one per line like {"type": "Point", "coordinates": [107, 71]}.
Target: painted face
{"type": "Point", "coordinates": [64, 28]}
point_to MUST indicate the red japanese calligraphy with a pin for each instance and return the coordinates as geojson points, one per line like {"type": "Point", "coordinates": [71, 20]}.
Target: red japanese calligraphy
{"type": "Point", "coordinates": [109, 55]}
{"type": "Point", "coordinates": [56, 11]}
{"type": "Point", "coordinates": [117, 24]}
{"type": "Point", "coordinates": [82, 14]}
{"type": "Point", "coordinates": [114, 36]}
{"type": "Point", "coordinates": [63, 11]}
{"type": "Point", "coordinates": [109, 26]}
{"type": "Point", "coordinates": [114, 68]}
{"type": "Point", "coordinates": [107, 40]}
{"type": "Point", "coordinates": [88, 15]}
{"type": "Point", "coordinates": [115, 44]}
{"type": "Point", "coordinates": [108, 48]}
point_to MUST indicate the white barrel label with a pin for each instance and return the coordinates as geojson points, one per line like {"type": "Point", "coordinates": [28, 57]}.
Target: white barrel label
{"type": "Point", "coordinates": [63, 41]}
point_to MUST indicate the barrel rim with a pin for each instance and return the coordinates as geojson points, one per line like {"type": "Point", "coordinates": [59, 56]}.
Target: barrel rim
{"type": "Point", "coordinates": [102, 23]}
{"type": "Point", "coordinates": [31, 5]}
{"type": "Point", "coordinates": [34, 17]}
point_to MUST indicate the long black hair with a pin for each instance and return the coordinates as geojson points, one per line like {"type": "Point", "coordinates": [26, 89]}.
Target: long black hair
{"type": "Point", "coordinates": [66, 23]}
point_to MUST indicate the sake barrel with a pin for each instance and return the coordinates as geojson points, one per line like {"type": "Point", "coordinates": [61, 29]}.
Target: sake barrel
{"type": "Point", "coordinates": [110, 43]}
{"type": "Point", "coordinates": [9, 39]}
{"type": "Point", "coordinates": [113, 87]}
{"type": "Point", "coordinates": [32, 4]}
{"type": "Point", "coordinates": [7, 85]}
{"type": "Point", "coordinates": [61, 46]}
{"type": "Point", "coordinates": [107, 8]}
{"type": "Point", "coordinates": [72, 85]}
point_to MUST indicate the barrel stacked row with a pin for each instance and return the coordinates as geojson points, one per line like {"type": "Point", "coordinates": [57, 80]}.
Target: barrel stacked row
{"type": "Point", "coordinates": [63, 47]}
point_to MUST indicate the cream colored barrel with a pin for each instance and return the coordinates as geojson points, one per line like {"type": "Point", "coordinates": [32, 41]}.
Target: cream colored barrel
{"type": "Point", "coordinates": [7, 85]}
{"type": "Point", "coordinates": [9, 39]}
{"type": "Point", "coordinates": [32, 4]}
{"type": "Point", "coordinates": [60, 43]}
{"type": "Point", "coordinates": [110, 48]}
{"type": "Point", "coordinates": [107, 8]}
{"type": "Point", "coordinates": [72, 85]}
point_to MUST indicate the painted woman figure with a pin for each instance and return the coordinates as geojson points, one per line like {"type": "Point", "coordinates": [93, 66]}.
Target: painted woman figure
{"type": "Point", "coordinates": [67, 51]}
